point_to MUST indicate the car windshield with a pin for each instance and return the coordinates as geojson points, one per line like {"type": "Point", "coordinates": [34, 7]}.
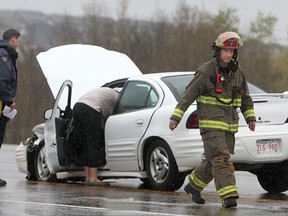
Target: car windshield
{"type": "Point", "coordinates": [177, 84]}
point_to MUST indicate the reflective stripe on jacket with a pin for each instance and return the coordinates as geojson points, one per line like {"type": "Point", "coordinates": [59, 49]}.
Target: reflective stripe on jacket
{"type": "Point", "coordinates": [217, 111]}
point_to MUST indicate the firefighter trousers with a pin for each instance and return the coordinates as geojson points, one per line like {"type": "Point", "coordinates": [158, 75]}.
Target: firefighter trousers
{"type": "Point", "coordinates": [215, 164]}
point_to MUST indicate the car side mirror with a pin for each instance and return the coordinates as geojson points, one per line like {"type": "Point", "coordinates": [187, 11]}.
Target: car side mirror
{"type": "Point", "coordinates": [48, 113]}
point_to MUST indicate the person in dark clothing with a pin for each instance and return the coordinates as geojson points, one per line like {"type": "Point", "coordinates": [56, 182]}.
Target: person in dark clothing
{"type": "Point", "coordinates": [8, 77]}
{"type": "Point", "coordinates": [90, 114]}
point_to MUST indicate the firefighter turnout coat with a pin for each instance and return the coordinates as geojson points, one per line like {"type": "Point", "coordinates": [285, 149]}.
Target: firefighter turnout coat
{"type": "Point", "coordinates": [218, 96]}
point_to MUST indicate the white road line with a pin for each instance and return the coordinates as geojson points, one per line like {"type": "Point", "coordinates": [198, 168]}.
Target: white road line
{"type": "Point", "coordinates": [88, 207]}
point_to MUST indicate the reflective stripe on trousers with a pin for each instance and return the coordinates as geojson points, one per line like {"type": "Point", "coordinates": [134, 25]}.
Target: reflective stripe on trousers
{"type": "Point", "coordinates": [227, 190]}
{"type": "Point", "coordinates": [197, 181]}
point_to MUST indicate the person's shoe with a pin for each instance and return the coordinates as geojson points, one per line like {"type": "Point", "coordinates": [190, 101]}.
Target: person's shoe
{"type": "Point", "coordinates": [196, 195]}
{"type": "Point", "coordinates": [229, 202]}
{"type": "Point", "coordinates": [2, 182]}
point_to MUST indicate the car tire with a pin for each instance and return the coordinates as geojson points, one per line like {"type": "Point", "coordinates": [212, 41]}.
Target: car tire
{"type": "Point", "coordinates": [161, 168]}
{"type": "Point", "coordinates": [42, 171]}
{"type": "Point", "coordinates": [145, 181]}
{"type": "Point", "coordinates": [31, 151]}
{"type": "Point", "coordinates": [274, 177]}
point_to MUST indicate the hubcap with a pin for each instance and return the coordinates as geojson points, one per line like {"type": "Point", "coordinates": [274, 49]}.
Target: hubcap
{"type": "Point", "coordinates": [42, 168]}
{"type": "Point", "coordinates": [159, 164]}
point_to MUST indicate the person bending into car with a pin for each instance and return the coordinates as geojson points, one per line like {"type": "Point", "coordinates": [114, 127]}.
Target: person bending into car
{"type": "Point", "coordinates": [90, 114]}
{"type": "Point", "coordinates": [219, 87]}
{"type": "Point", "coordinates": [8, 77]}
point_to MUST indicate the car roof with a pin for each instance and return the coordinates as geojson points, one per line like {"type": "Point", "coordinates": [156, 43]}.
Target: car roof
{"type": "Point", "coordinates": [160, 75]}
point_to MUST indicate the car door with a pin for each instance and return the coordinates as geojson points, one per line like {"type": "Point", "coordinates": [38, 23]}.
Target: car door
{"type": "Point", "coordinates": [55, 127]}
{"type": "Point", "coordinates": [124, 129]}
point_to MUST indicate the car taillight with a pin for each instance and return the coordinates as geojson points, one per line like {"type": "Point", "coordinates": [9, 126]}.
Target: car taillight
{"type": "Point", "coordinates": [192, 121]}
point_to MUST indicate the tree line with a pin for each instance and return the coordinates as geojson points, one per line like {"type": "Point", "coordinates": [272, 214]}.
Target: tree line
{"type": "Point", "coordinates": [178, 42]}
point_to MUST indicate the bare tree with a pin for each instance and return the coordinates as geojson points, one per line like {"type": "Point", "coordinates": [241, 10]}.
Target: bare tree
{"type": "Point", "coordinates": [124, 30]}
{"type": "Point", "coordinates": [263, 26]}
{"type": "Point", "coordinates": [66, 31]}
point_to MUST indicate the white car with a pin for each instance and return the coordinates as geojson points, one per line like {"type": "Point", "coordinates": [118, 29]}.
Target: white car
{"type": "Point", "coordinates": [139, 143]}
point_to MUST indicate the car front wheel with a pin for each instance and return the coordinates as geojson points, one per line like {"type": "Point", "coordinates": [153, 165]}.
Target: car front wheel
{"type": "Point", "coordinates": [41, 168]}
{"type": "Point", "coordinates": [162, 170]}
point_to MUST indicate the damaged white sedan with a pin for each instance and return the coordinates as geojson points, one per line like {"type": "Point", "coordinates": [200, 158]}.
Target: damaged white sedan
{"type": "Point", "coordinates": [138, 141]}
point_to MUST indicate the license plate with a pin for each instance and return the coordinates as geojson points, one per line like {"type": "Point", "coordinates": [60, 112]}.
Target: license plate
{"type": "Point", "coordinates": [267, 147]}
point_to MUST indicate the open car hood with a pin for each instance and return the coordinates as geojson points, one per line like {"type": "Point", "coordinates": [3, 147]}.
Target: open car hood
{"type": "Point", "coordinates": [87, 66]}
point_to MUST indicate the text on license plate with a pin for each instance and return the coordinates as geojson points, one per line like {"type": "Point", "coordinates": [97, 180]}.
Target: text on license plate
{"type": "Point", "coordinates": [267, 146]}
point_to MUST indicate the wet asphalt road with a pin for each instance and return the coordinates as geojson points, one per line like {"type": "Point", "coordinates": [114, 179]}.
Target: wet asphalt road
{"type": "Point", "coordinates": [124, 197]}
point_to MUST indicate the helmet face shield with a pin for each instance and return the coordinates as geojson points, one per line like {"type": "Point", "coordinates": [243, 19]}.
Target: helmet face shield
{"type": "Point", "coordinates": [230, 43]}
{"type": "Point", "coordinates": [229, 40]}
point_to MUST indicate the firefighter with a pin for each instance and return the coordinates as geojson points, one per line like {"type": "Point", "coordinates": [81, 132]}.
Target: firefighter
{"type": "Point", "coordinates": [219, 87]}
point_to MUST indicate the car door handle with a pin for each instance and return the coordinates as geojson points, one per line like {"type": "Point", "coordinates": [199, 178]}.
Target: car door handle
{"type": "Point", "coordinates": [139, 123]}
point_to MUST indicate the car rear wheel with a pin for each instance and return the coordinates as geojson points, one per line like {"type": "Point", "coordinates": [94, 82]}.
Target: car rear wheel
{"type": "Point", "coordinates": [274, 177]}
{"type": "Point", "coordinates": [162, 170]}
{"type": "Point", "coordinates": [41, 168]}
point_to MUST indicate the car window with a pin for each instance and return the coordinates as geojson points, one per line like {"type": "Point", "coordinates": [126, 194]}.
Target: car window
{"type": "Point", "coordinates": [117, 85]}
{"type": "Point", "coordinates": [178, 84]}
{"type": "Point", "coordinates": [135, 96]}
{"type": "Point", "coordinates": [255, 90]}
{"type": "Point", "coordinates": [64, 99]}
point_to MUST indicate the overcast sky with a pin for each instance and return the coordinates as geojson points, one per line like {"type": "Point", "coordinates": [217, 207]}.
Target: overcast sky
{"type": "Point", "coordinates": [144, 9]}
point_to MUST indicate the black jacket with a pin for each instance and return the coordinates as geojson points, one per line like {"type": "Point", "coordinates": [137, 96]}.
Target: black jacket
{"type": "Point", "coordinates": [8, 72]}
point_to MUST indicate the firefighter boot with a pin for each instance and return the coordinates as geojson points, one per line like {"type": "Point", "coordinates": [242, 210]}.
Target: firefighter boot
{"type": "Point", "coordinates": [229, 202]}
{"type": "Point", "coordinates": [2, 182]}
{"type": "Point", "coordinates": [196, 195]}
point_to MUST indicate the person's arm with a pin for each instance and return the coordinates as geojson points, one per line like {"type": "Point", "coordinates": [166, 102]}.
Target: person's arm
{"type": "Point", "coordinates": [5, 77]}
{"type": "Point", "coordinates": [247, 107]}
{"type": "Point", "coordinates": [193, 90]}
